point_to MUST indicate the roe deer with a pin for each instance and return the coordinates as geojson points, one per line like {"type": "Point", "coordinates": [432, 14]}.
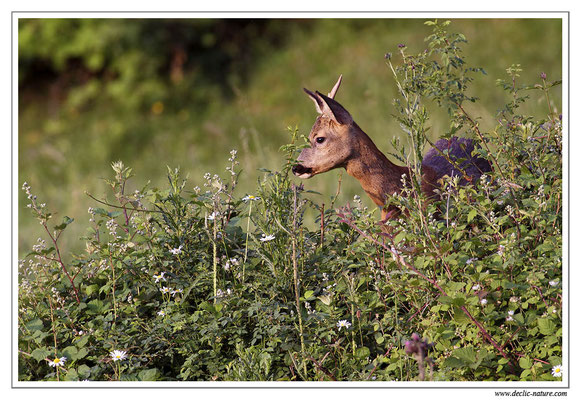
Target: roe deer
{"type": "Point", "coordinates": [337, 141]}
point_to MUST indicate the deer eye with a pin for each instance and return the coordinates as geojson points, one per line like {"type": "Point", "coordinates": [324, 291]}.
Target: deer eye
{"type": "Point", "coordinates": [320, 139]}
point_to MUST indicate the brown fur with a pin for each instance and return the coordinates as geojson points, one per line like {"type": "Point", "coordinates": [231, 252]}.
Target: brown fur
{"type": "Point", "coordinates": [345, 145]}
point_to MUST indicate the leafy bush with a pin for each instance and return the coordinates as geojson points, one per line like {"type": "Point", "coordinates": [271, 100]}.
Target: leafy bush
{"type": "Point", "coordinates": [203, 284]}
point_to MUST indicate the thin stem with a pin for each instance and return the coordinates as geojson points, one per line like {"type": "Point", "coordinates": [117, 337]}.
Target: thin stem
{"type": "Point", "coordinates": [113, 288]}
{"type": "Point", "coordinates": [215, 258]}
{"type": "Point", "coordinates": [296, 279]}
{"type": "Point", "coordinates": [60, 261]}
{"type": "Point", "coordinates": [247, 233]}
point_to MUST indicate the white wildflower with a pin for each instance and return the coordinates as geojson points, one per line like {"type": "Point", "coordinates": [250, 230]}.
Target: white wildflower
{"type": "Point", "coordinates": [343, 324]}
{"type": "Point", "coordinates": [159, 277]}
{"type": "Point", "coordinates": [118, 355]}
{"type": "Point", "coordinates": [176, 251]}
{"type": "Point", "coordinates": [250, 198]}
{"type": "Point", "coordinates": [57, 362]}
{"type": "Point", "coordinates": [267, 238]}
{"type": "Point", "coordinates": [510, 314]}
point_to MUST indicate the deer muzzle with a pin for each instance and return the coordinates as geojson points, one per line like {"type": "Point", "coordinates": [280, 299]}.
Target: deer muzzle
{"type": "Point", "coordinates": [302, 172]}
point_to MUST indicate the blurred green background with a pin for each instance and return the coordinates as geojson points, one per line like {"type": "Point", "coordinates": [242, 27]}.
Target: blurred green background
{"type": "Point", "coordinates": [184, 92]}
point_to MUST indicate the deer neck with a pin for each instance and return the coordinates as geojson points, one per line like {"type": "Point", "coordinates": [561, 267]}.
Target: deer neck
{"type": "Point", "coordinates": [378, 176]}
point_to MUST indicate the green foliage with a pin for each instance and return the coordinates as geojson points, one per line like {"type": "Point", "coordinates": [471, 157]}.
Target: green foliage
{"type": "Point", "coordinates": [200, 283]}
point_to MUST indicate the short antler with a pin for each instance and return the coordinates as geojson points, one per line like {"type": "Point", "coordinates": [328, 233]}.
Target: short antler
{"type": "Point", "coordinates": [333, 91]}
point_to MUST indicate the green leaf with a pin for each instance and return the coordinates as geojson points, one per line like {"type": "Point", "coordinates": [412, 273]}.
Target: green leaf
{"type": "Point", "coordinates": [325, 299]}
{"type": "Point", "coordinates": [525, 362]}
{"type": "Point", "coordinates": [83, 370]}
{"type": "Point", "coordinates": [149, 375]}
{"type": "Point", "coordinates": [35, 325]}
{"type": "Point", "coordinates": [72, 375]}
{"type": "Point", "coordinates": [460, 316]}
{"type": "Point", "coordinates": [66, 222]}
{"type": "Point", "coordinates": [459, 301]}
{"type": "Point", "coordinates": [40, 353]}
{"type": "Point", "coordinates": [91, 289]}
{"type": "Point", "coordinates": [525, 373]}
{"type": "Point", "coordinates": [362, 353]}
{"type": "Point", "coordinates": [467, 354]}
{"type": "Point", "coordinates": [81, 354]}
{"type": "Point", "coordinates": [95, 307]}
{"type": "Point", "coordinates": [400, 236]}
{"type": "Point", "coordinates": [453, 362]}
{"type": "Point", "coordinates": [82, 341]}
{"type": "Point", "coordinates": [471, 215]}
{"type": "Point", "coordinates": [308, 295]}
{"type": "Point", "coordinates": [71, 352]}
{"type": "Point", "coordinates": [546, 326]}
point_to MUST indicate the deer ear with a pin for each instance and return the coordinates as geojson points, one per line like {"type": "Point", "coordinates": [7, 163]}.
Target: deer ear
{"type": "Point", "coordinates": [335, 111]}
{"type": "Point", "coordinates": [333, 91]}
{"type": "Point", "coordinates": [316, 99]}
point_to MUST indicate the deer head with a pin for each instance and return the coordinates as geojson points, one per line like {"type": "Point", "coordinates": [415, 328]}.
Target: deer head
{"type": "Point", "coordinates": [330, 138]}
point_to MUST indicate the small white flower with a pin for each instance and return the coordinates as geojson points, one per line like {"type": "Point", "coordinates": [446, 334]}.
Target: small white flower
{"type": "Point", "coordinates": [343, 324]}
{"type": "Point", "coordinates": [483, 302]}
{"type": "Point", "coordinates": [57, 362]}
{"type": "Point", "coordinates": [159, 277]}
{"type": "Point", "coordinates": [231, 262]}
{"type": "Point", "coordinates": [176, 251]}
{"type": "Point", "coordinates": [553, 283]}
{"type": "Point", "coordinates": [476, 287]}
{"type": "Point", "coordinates": [500, 250]}
{"type": "Point", "coordinates": [212, 216]}
{"type": "Point", "coordinates": [470, 261]}
{"type": "Point", "coordinates": [557, 371]}
{"type": "Point", "coordinates": [509, 317]}
{"type": "Point", "coordinates": [250, 198]}
{"type": "Point", "coordinates": [165, 290]}
{"type": "Point", "coordinates": [176, 291]}
{"type": "Point", "coordinates": [266, 238]}
{"type": "Point", "coordinates": [118, 355]}
{"type": "Point", "coordinates": [161, 313]}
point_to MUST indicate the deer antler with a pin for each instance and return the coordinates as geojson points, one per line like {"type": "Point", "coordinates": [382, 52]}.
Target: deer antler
{"type": "Point", "coordinates": [333, 91]}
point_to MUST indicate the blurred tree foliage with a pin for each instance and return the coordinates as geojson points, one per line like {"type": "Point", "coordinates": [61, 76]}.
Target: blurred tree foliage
{"type": "Point", "coordinates": [183, 92]}
{"type": "Point", "coordinates": [132, 62]}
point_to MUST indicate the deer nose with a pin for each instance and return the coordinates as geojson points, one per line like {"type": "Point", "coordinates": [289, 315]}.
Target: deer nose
{"type": "Point", "coordinates": [300, 170]}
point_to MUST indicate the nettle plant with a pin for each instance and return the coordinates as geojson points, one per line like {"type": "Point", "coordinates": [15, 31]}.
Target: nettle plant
{"type": "Point", "coordinates": [190, 283]}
